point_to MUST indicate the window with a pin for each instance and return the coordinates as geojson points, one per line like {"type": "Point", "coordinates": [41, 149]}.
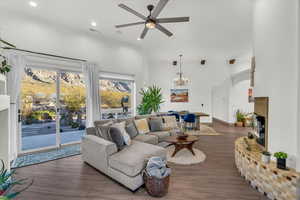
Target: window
{"type": "Point", "coordinates": [116, 98]}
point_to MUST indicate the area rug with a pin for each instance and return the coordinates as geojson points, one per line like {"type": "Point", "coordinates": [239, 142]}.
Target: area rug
{"type": "Point", "coordinates": [204, 130]}
{"type": "Point", "coordinates": [185, 157]}
{"type": "Point", "coordinates": [37, 158]}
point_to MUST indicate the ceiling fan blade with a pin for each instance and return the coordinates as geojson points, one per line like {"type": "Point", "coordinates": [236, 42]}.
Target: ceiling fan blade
{"type": "Point", "coordinates": [132, 11]}
{"type": "Point", "coordinates": [160, 6]}
{"type": "Point", "coordinates": [164, 30]}
{"type": "Point", "coordinates": [131, 24]}
{"type": "Point", "coordinates": [145, 31]}
{"type": "Point", "coordinates": [173, 20]}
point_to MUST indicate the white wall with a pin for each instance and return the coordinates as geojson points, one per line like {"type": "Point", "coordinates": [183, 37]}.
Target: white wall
{"type": "Point", "coordinates": [275, 43]}
{"type": "Point", "coordinates": [203, 78]}
{"type": "Point", "coordinates": [228, 97]}
{"type": "Point", "coordinates": [239, 100]}
{"type": "Point", "coordinates": [221, 100]}
{"type": "Point", "coordinates": [38, 35]}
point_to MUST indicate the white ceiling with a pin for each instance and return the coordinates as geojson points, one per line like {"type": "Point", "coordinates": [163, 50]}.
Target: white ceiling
{"type": "Point", "coordinates": [217, 27]}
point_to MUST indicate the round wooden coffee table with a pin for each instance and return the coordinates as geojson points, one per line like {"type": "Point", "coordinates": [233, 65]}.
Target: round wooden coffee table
{"type": "Point", "coordinates": [180, 144]}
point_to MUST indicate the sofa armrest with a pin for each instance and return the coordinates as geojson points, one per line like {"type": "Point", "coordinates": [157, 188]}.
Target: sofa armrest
{"type": "Point", "coordinates": [96, 151]}
{"type": "Point", "coordinates": [91, 131]}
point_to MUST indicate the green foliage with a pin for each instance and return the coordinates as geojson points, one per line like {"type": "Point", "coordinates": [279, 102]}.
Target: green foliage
{"type": "Point", "coordinates": [240, 116]}
{"type": "Point", "coordinates": [281, 155]}
{"type": "Point", "coordinates": [42, 114]}
{"type": "Point", "coordinates": [75, 125]}
{"type": "Point", "coordinates": [4, 67]}
{"type": "Point", "coordinates": [112, 99]}
{"type": "Point", "coordinates": [151, 101]}
{"type": "Point", "coordinates": [7, 182]}
{"type": "Point", "coordinates": [74, 102]}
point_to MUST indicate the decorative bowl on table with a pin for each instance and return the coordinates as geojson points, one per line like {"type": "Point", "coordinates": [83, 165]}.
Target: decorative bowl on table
{"type": "Point", "coordinates": [182, 137]}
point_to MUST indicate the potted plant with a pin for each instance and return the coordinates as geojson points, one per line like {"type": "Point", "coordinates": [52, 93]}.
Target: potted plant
{"type": "Point", "coordinates": [151, 100]}
{"type": "Point", "coordinates": [4, 67]}
{"type": "Point", "coordinates": [266, 157]}
{"type": "Point", "coordinates": [7, 183]}
{"type": "Point", "coordinates": [240, 118]}
{"type": "Point", "coordinates": [281, 159]}
{"type": "Point", "coordinates": [250, 136]}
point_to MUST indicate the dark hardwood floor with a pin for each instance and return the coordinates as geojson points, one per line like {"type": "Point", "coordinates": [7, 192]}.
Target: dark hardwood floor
{"type": "Point", "coordinates": [216, 178]}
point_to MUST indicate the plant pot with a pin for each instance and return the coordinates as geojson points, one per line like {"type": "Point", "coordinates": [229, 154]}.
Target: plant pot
{"type": "Point", "coordinates": [239, 124]}
{"type": "Point", "coordinates": [281, 163]}
{"type": "Point", "coordinates": [265, 158]}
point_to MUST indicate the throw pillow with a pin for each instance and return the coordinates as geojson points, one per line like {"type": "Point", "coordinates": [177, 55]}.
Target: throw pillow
{"type": "Point", "coordinates": [103, 130]}
{"type": "Point", "coordinates": [142, 126]}
{"type": "Point", "coordinates": [117, 138]}
{"type": "Point", "coordinates": [121, 127]}
{"type": "Point", "coordinates": [170, 122]}
{"type": "Point", "coordinates": [131, 130]}
{"type": "Point", "coordinates": [156, 124]}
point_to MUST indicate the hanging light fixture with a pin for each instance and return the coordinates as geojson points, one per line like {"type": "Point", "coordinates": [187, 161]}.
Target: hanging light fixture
{"type": "Point", "coordinates": [180, 80]}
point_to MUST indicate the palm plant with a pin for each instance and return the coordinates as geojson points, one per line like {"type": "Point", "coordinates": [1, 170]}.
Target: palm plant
{"type": "Point", "coordinates": [240, 116]}
{"type": "Point", "coordinates": [7, 183]}
{"type": "Point", "coordinates": [4, 67]}
{"type": "Point", "coordinates": [151, 101]}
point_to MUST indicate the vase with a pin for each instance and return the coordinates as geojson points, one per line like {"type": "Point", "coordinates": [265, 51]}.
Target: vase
{"type": "Point", "coordinates": [281, 163]}
{"type": "Point", "coordinates": [239, 124]}
{"type": "Point", "coordinates": [265, 159]}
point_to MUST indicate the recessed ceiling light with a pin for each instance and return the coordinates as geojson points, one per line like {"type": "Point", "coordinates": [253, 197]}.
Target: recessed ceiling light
{"type": "Point", "coordinates": [139, 39]}
{"type": "Point", "coordinates": [33, 4]}
{"type": "Point", "coordinates": [94, 24]}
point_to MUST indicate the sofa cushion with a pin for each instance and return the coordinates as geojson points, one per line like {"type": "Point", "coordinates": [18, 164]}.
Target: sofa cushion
{"type": "Point", "coordinates": [133, 159]}
{"type": "Point", "coordinates": [131, 130]}
{"type": "Point", "coordinates": [170, 122]}
{"type": "Point", "coordinates": [160, 134]}
{"type": "Point", "coordinates": [142, 126]}
{"type": "Point", "coordinates": [127, 120]}
{"type": "Point", "coordinates": [103, 130]}
{"type": "Point", "coordinates": [92, 131]}
{"type": "Point", "coordinates": [143, 116]}
{"type": "Point", "coordinates": [121, 127]}
{"type": "Point", "coordinates": [101, 122]}
{"type": "Point", "coordinates": [156, 124]}
{"type": "Point", "coordinates": [150, 139]}
{"type": "Point", "coordinates": [117, 138]}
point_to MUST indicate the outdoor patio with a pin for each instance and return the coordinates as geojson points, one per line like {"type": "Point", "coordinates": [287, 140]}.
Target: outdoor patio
{"type": "Point", "coordinates": [42, 135]}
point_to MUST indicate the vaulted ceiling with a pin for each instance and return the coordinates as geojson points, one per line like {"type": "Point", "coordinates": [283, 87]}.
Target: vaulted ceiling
{"type": "Point", "coordinates": [217, 27]}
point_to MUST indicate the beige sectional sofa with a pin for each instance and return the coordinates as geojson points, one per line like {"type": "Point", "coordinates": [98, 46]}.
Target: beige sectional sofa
{"type": "Point", "coordinates": [126, 165]}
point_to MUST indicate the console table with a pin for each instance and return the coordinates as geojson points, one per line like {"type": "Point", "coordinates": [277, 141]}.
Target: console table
{"type": "Point", "coordinates": [266, 178]}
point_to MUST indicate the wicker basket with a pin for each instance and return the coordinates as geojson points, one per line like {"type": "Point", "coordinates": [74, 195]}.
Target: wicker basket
{"type": "Point", "coordinates": [156, 187]}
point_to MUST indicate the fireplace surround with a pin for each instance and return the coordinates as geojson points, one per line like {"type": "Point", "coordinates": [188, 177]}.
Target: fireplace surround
{"type": "Point", "coordinates": [261, 114]}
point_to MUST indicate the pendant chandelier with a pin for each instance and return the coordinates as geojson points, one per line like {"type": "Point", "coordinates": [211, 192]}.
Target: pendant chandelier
{"type": "Point", "coordinates": [180, 80]}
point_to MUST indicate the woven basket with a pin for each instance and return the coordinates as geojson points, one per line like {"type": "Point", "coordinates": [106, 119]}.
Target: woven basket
{"type": "Point", "coordinates": [156, 187]}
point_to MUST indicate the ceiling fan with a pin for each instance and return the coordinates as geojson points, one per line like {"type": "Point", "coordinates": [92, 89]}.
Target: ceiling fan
{"type": "Point", "coordinates": [152, 21]}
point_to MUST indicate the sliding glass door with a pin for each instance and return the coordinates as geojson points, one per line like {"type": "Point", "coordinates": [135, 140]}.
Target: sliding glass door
{"type": "Point", "coordinates": [72, 107]}
{"type": "Point", "coordinates": [52, 109]}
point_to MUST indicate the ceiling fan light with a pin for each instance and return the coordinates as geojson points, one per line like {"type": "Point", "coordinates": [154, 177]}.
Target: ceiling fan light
{"type": "Point", "coordinates": [150, 24]}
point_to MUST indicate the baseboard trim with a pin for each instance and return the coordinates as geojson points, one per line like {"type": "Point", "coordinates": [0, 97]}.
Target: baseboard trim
{"type": "Point", "coordinates": [216, 120]}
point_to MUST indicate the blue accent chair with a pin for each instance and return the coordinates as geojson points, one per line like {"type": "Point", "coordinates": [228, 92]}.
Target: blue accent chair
{"type": "Point", "coordinates": [176, 115]}
{"type": "Point", "coordinates": [190, 119]}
